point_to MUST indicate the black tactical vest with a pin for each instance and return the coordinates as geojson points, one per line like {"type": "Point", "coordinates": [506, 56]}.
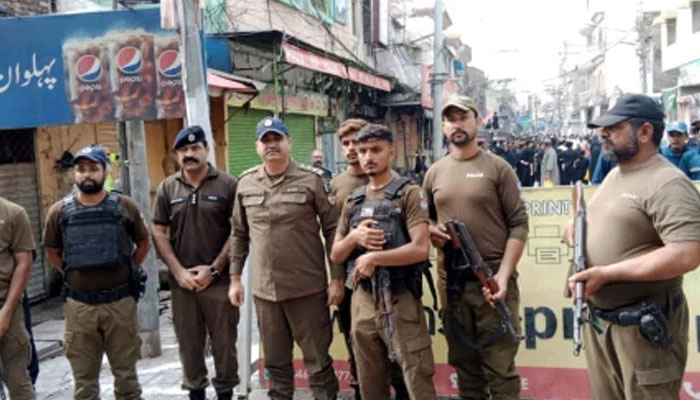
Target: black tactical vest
{"type": "Point", "coordinates": [92, 235]}
{"type": "Point", "coordinates": [387, 213]}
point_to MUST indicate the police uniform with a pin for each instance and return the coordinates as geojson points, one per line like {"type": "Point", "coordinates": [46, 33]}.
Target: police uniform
{"type": "Point", "coordinates": [637, 346]}
{"type": "Point", "coordinates": [199, 224]}
{"type": "Point", "coordinates": [341, 187]}
{"type": "Point", "coordinates": [15, 348]}
{"type": "Point", "coordinates": [396, 208]}
{"type": "Point", "coordinates": [100, 309]}
{"type": "Point", "coordinates": [280, 217]}
{"type": "Point", "coordinates": [482, 192]}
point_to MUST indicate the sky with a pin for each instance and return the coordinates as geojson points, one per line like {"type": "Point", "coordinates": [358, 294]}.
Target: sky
{"type": "Point", "coordinates": [524, 39]}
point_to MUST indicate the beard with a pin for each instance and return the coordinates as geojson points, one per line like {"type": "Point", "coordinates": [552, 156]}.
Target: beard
{"type": "Point", "coordinates": [617, 154]}
{"type": "Point", "coordinates": [91, 188]}
{"type": "Point", "coordinates": [376, 172]}
{"type": "Point", "coordinates": [461, 141]}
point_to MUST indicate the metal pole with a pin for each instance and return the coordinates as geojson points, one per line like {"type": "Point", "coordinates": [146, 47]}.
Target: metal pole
{"type": "Point", "coordinates": [193, 72]}
{"type": "Point", "coordinates": [124, 186]}
{"type": "Point", "coordinates": [438, 77]}
{"type": "Point", "coordinates": [245, 334]}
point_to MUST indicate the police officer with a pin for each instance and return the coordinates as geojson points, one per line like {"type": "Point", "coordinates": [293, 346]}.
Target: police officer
{"type": "Point", "coordinates": [90, 237]}
{"type": "Point", "coordinates": [16, 245]}
{"type": "Point", "coordinates": [191, 227]}
{"type": "Point", "coordinates": [677, 148]}
{"type": "Point", "coordinates": [341, 187]}
{"type": "Point", "coordinates": [480, 190]}
{"type": "Point", "coordinates": [280, 207]}
{"type": "Point", "coordinates": [385, 225]}
{"type": "Point", "coordinates": [642, 236]}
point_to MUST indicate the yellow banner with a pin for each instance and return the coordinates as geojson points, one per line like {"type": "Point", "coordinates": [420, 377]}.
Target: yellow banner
{"type": "Point", "coordinates": [545, 360]}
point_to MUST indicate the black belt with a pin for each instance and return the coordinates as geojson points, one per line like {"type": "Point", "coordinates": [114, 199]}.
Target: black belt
{"type": "Point", "coordinates": [627, 316]}
{"type": "Point", "coordinates": [98, 297]}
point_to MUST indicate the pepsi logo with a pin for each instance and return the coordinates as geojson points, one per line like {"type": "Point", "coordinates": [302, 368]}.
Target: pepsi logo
{"type": "Point", "coordinates": [89, 68]}
{"type": "Point", "coordinates": [129, 60]}
{"type": "Point", "coordinates": [170, 64]}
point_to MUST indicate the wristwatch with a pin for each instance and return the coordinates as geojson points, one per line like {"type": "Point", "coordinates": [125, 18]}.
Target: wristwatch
{"type": "Point", "coordinates": [214, 272]}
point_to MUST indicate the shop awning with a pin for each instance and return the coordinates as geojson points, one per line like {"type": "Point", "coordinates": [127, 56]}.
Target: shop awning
{"type": "Point", "coordinates": [220, 81]}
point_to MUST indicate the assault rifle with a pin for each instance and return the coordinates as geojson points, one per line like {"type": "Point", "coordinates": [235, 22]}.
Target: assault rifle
{"type": "Point", "coordinates": [578, 263]}
{"type": "Point", "coordinates": [381, 289]}
{"type": "Point", "coordinates": [463, 245]}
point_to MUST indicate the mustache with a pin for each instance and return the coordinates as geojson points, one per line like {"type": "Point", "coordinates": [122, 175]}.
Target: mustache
{"type": "Point", "coordinates": [458, 130]}
{"type": "Point", "coordinates": [272, 150]}
{"type": "Point", "coordinates": [190, 159]}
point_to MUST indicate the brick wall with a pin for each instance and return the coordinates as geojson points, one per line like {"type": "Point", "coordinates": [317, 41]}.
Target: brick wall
{"type": "Point", "coordinates": [27, 7]}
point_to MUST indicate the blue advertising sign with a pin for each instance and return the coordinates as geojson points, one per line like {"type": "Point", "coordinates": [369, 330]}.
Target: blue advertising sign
{"type": "Point", "coordinates": [88, 68]}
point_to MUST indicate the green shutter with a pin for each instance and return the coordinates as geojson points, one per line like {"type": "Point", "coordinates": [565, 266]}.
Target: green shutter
{"type": "Point", "coordinates": [241, 139]}
{"type": "Point", "coordinates": [301, 130]}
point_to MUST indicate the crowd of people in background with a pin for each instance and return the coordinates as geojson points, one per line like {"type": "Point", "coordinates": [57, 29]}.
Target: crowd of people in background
{"type": "Point", "coordinates": [547, 161]}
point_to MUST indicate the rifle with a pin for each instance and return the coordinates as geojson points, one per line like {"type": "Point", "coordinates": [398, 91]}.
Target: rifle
{"type": "Point", "coordinates": [381, 288]}
{"type": "Point", "coordinates": [578, 263]}
{"type": "Point", "coordinates": [463, 244]}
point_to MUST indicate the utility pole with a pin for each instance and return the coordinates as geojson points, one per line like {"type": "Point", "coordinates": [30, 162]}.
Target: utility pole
{"type": "Point", "coordinates": [437, 81]}
{"type": "Point", "coordinates": [193, 72]}
{"type": "Point", "coordinates": [134, 166]}
{"type": "Point", "coordinates": [643, 39]}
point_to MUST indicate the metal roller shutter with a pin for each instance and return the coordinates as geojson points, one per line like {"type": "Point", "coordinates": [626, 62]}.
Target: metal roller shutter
{"type": "Point", "coordinates": [302, 132]}
{"type": "Point", "coordinates": [18, 184]}
{"type": "Point", "coordinates": [241, 138]}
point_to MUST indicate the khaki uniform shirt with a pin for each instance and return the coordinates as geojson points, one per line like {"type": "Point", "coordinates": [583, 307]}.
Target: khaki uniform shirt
{"type": "Point", "coordinates": [134, 230]}
{"type": "Point", "coordinates": [483, 193]}
{"type": "Point", "coordinates": [635, 212]}
{"type": "Point", "coordinates": [15, 237]}
{"type": "Point", "coordinates": [343, 185]}
{"type": "Point", "coordinates": [280, 218]}
{"type": "Point", "coordinates": [199, 218]}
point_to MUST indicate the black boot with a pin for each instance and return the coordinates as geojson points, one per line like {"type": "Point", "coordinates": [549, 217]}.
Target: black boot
{"type": "Point", "coordinates": [224, 395]}
{"type": "Point", "coordinates": [198, 394]}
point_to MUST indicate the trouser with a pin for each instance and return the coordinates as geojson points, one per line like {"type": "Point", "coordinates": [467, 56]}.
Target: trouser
{"type": "Point", "coordinates": [344, 321]}
{"type": "Point", "coordinates": [96, 329]}
{"type": "Point", "coordinates": [410, 340]}
{"type": "Point", "coordinates": [194, 315]}
{"type": "Point", "coordinates": [15, 355]}
{"type": "Point", "coordinates": [34, 363]}
{"type": "Point", "coordinates": [307, 322]}
{"type": "Point", "coordinates": [488, 372]}
{"type": "Point", "coordinates": [623, 364]}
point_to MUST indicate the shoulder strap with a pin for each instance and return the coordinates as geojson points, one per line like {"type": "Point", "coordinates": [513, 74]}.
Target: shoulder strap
{"type": "Point", "coordinates": [394, 189]}
{"type": "Point", "coordinates": [358, 195]}
{"type": "Point", "coordinates": [248, 172]}
{"type": "Point", "coordinates": [309, 168]}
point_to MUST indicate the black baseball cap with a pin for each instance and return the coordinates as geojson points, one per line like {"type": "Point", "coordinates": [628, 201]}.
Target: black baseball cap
{"type": "Point", "coordinates": [630, 106]}
{"type": "Point", "coordinates": [189, 135]}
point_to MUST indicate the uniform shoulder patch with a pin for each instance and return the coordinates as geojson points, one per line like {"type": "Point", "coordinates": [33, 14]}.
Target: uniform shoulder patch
{"type": "Point", "coordinates": [312, 169]}
{"type": "Point", "coordinates": [248, 172]}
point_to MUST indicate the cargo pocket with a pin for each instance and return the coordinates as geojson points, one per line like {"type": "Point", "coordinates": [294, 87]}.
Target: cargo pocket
{"type": "Point", "coordinates": [68, 338]}
{"type": "Point", "coordinates": [657, 383]}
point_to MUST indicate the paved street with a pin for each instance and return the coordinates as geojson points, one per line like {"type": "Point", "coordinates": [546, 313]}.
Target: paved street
{"type": "Point", "coordinates": [160, 377]}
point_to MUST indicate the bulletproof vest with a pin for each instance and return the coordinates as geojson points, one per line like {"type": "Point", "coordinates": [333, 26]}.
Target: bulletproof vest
{"type": "Point", "coordinates": [92, 235]}
{"type": "Point", "coordinates": [387, 213]}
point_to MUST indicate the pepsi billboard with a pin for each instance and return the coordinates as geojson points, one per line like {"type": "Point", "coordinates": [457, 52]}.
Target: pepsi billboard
{"type": "Point", "coordinates": [88, 68]}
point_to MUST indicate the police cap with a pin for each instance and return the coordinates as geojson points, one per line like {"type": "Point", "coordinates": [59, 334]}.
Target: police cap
{"type": "Point", "coordinates": [94, 153]}
{"type": "Point", "coordinates": [270, 124]}
{"type": "Point", "coordinates": [628, 106]}
{"type": "Point", "coordinates": [189, 135]}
